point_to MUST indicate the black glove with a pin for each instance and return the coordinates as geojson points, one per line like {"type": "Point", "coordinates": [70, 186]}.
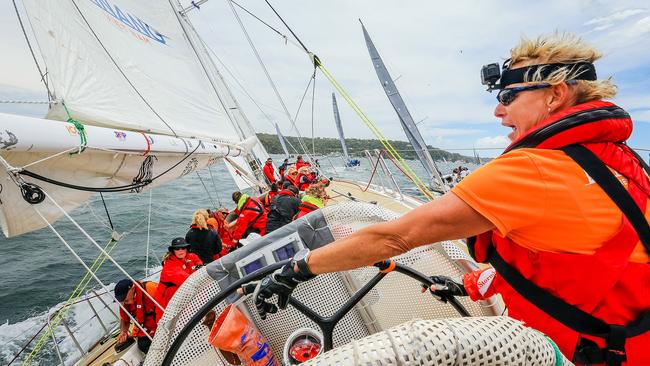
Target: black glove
{"type": "Point", "coordinates": [282, 282]}
{"type": "Point", "coordinates": [445, 287]}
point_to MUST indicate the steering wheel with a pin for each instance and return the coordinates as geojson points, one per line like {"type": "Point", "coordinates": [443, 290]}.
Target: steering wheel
{"type": "Point", "coordinates": [326, 324]}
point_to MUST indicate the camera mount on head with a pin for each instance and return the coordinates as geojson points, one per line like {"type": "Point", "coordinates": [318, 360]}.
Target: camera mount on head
{"type": "Point", "coordinates": [494, 78]}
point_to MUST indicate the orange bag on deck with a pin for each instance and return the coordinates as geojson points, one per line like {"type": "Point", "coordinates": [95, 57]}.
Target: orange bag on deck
{"type": "Point", "coordinates": [233, 332]}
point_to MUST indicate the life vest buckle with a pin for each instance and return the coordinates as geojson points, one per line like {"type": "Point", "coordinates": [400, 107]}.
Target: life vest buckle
{"type": "Point", "coordinates": [615, 355]}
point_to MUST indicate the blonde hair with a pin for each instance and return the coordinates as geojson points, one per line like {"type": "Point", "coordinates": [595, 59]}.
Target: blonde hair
{"type": "Point", "coordinates": [166, 257]}
{"type": "Point", "coordinates": [560, 48]}
{"type": "Point", "coordinates": [316, 190]}
{"type": "Point", "coordinates": [200, 218]}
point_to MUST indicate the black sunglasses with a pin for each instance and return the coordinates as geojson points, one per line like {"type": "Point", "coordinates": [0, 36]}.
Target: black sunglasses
{"type": "Point", "coordinates": [183, 248]}
{"type": "Point", "coordinates": [507, 96]}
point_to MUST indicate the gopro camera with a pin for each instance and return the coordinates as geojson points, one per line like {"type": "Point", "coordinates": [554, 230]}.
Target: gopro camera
{"type": "Point", "coordinates": [490, 74]}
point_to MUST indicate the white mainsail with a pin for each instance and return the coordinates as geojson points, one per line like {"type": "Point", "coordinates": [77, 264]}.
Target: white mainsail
{"type": "Point", "coordinates": [126, 64]}
{"type": "Point", "coordinates": [137, 76]}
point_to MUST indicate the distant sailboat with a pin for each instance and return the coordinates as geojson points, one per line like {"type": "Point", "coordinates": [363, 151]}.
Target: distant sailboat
{"type": "Point", "coordinates": [409, 126]}
{"type": "Point", "coordinates": [337, 118]}
{"type": "Point", "coordinates": [282, 142]}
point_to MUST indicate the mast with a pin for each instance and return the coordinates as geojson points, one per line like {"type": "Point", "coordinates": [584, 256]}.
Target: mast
{"type": "Point", "coordinates": [281, 138]}
{"type": "Point", "coordinates": [409, 126]}
{"type": "Point", "coordinates": [339, 127]}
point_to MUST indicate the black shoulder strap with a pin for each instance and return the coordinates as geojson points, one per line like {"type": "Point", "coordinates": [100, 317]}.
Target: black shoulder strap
{"type": "Point", "coordinates": [259, 209]}
{"type": "Point", "coordinates": [599, 172]}
{"type": "Point", "coordinates": [567, 314]}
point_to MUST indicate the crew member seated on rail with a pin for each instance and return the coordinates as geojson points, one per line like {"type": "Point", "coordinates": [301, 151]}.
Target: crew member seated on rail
{"type": "Point", "coordinates": [203, 240]}
{"type": "Point", "coordinates": [178, 264]}
{"type": "Point", "coordinates": [312, 200]}
{"type": "Point", "coordinates": [268, 197]}
{"type": "Point", "coordinates": [141, 307]}
{"type": "Point", "coordinates": [301, 163]}
{"type": "Point", "coordinates": [283, 208]}
{"type": "Point", "coordinates": [217, 221]}
{"type": "Point", "coordinates": [252, 216]}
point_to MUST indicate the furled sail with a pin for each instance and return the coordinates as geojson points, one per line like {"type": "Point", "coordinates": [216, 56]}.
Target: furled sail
{"type": "Point", "coordinates": [409, 126]}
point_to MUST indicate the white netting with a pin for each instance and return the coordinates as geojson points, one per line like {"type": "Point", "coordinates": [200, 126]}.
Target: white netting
{"type": "Point", "coordinates": [197, 290]}
{"type": "Point", "coordinates": [396, 299]}
{"type": "Point", "coordinates": [477, 341]}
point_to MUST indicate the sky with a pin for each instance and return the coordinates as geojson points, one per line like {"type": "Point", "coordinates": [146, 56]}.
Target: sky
{"type": "Point", "coordinates": [434, 50]}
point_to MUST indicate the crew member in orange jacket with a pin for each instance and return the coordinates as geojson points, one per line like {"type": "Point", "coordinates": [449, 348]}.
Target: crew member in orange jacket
{"type": "Point", "coordinates": [141, 307]}
{"type": "Point", "coordinates": [178, 265]}
{"type": "Point", "coordinates": [267, 197]}
{"type": "Point", "coordinates": [217, 221]}
{"type": "Point", "coordinates": [562, 215]}
{"type": "Point", "coordinates": [252, 217]}
{"type": "Point", "coordinates": [269, 170]}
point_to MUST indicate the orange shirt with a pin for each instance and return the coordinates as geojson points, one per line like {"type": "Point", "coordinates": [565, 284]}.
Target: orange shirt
{"type": "Point", "coordinates": [544, 201]}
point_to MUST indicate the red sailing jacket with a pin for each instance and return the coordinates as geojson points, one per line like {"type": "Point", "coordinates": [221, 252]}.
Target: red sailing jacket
{"type": "Point", "coordinates": [143, 310]}
{"type": "Point", "coordinates": [604, 284]}
{"type": "Point", "coordinates": [224, 234]}
{"type": "Point", "coordinates": [174, 272]}
{"type": "Point", "coordinates": [301, 163]}
{"type": "Point", "coordinates": [251, 215]}
{"type": "Point", "coordinates": [268, 172]}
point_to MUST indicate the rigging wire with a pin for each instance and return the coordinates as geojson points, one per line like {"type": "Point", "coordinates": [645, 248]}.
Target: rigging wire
{"type": "Point", "coordinates": [65, 243]}
{"type": "Point", "coordinates": [117, 66]}
{"type": "Point", "coordinates": [313, 96]}
{"type": "Point", "coordinates": [50, 95]}
{"type": "Point", "coordinates": [286, 39]}
{"type": "Point", "coordinates": [245, 91]}
{"type": "Point", "coordinates": [183, 22]}
{"type": "Point", "coordinates": [384, 141]}
{"type": "Point", "coordinates": [268, 76]}
{"type": "Point", "coordinates": [214, 204]}
{"type": "Point", "coordinates": [76, 293]}
{"type": "Point", "coordinates": [286, 25]}
{"type": "Point", "coordinates": [216, 191]}
{"type": "Point", "coordinates": [304, 94]}
{"type": "Point", "coordinates": [90, 238]}
{"type": "Point", "coordinates": [106, 209]}
{"type": "Point", "coordinates": [146, 257]}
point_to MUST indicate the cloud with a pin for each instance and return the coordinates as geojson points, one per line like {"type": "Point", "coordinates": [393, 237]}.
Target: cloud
{"type": "Point", "coordinates": [492, 142]}
{"type": "Point", "coordinates": [611, 19]}
{"type": "Point", "coordinates": [434, 49]}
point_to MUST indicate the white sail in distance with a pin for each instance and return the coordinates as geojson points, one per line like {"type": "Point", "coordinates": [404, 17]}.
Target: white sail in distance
{"type": "Point", "coordinates": [339, 127]}
{"type": "Point", "coordinates": [281, 138]}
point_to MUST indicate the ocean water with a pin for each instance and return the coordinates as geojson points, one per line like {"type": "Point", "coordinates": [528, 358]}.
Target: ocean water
{"type": "Point", "coordinates": [38, 273]}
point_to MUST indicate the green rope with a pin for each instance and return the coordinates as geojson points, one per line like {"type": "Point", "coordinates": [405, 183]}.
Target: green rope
{"type": "Point", "coordinates": [80, 130]}
{"type": "Point", "coordinates": [76, 293]}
